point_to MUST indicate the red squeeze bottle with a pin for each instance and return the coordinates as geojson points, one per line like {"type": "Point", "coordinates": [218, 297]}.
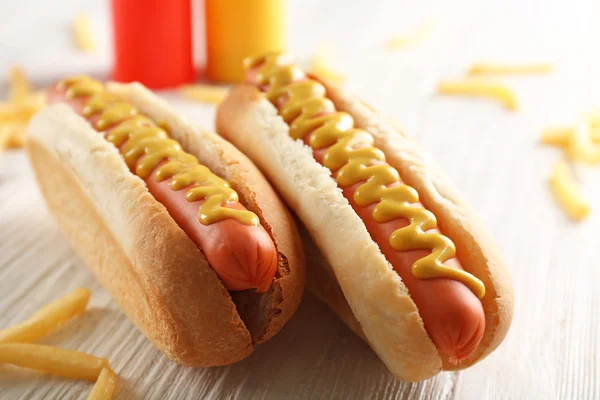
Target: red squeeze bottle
{"type": "Point", "coordinates": [153, 42]}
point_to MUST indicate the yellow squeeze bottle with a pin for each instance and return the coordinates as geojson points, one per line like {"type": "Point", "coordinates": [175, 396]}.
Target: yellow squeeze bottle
{"type": "Point", "coordinates": [236, 29]}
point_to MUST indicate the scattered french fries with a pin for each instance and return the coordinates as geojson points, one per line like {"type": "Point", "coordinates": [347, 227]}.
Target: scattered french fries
{"type": "Point", "coordinates": [491, 89]}
{"type": "Point", "coordinates": [581, 147]}
{"type": "Point", "coordinates": [15, 113]}
{"type": "Point", "coordinates": [580, 143]}
{"type": "Point", "coordinates": [422, 32]}
{"type": "Point", "coordinates": [322, 66]}
{"type": "Point", "coordinates": [557, 136]}
{"type": "Point", "coordinates": [16, 349]}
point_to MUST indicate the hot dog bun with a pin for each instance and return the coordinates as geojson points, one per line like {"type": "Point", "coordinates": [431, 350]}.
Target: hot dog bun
{"type": "Point", "coordinates": [151, 267]}
{"type": "Point", "coordinates": [377, 298]}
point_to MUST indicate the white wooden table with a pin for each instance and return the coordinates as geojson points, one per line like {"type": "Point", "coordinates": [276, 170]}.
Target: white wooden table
{"type": "Point", "coordinates": [490, 154]}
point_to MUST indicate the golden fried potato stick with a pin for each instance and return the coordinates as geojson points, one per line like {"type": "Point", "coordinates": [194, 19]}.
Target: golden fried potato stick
{"type": "Point", "coordinates": [105, 385]}
{"type": "Point", "coordinates": [203, 93]}
{"type": "Point", "coordinates": [581, 147]}
{"type": "Point", "coordinates": [568, 193]}
{"type": "Point", "coordinates": [15, 114]}
{"type": "Point", "coordinates": [53, 360]}
{"type": "Point", "coordinates": [82, 34]}
{"type": "Point", "coordinates": [509, 69]}
{"type": "Point", "coordinates": [20, 87]}
{"type": "Point", "coordinates": [419, 34]}
{"type": "Point", "coordinates": [322, 66]}
{"type": "Point", "coordinates": [48, 318]}
{"type": "Point", "coordinates": [479, 88]}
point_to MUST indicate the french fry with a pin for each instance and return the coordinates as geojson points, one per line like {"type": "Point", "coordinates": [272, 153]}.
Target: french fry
{"type": "Point", "coordinates": [594, 118]}
{"type": "Point", "coordinates": [321, 66]}
{"type": "Point", "coordinates": [509, 69]}
{"type": "Point", "coordinates": [15, 114]}
{"type": "Point", "coordinates": [12, 136]}
{"type": "Point", "coordinates": [11, 113]}
{"type": "Point", "coordinates": [48, 318]}
{"type": "Point", "coordinates": [17, 140]}
{"type": "Point", "coordinates": [422, 32]}
{"type": "Point", "coordinates": [53, 360]}
{"type": "Point", "coordinates": [203, 93]}
{"type": "Point", "coordinates": [581, 147]}
{"type": "Point", "coordinates": [568, 193]}
{"type": "Point", "coordinates": [6, 134]}
{"type": "Point", "coordinates": [491, 90]}
{"type": "Point", "coordinates": [105, 385]}
{"type": "Point", "coordinates": [557, 136]}
{"type": "Point", "coordinates": [20, 87]}
{"type": "Point", "coordinates": [560, 136]}
{"type": "Point", "coordinates": [82, 34]}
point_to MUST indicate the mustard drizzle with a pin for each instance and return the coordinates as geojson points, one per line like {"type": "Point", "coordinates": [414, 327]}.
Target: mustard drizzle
{"type": "Point", "coordinates": [144, 145]}
{"type": "Point", "coordinates": [354, 157]}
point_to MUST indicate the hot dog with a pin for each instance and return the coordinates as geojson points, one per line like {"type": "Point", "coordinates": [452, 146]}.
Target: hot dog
{"type": "Point", "coordinates": [177, 224]}
{"type": "Point", "coordinates": [424, 284]}
{"type": "Point", "coordinates": [239, 250]}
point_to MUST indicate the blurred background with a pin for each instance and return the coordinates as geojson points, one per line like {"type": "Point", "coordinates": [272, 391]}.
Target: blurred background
{"type": "Point", "coordinates": [393, 54]}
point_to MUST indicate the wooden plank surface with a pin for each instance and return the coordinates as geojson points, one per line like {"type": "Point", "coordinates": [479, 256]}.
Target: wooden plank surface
{"type": "Point", "coordinates": [490, 154]}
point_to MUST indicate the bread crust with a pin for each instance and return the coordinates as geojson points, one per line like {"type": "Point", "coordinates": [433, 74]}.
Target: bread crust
{"type": "Point", "coordinates": [374, 293]}
{"type": "Point", "coordinates": [142, 257]}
